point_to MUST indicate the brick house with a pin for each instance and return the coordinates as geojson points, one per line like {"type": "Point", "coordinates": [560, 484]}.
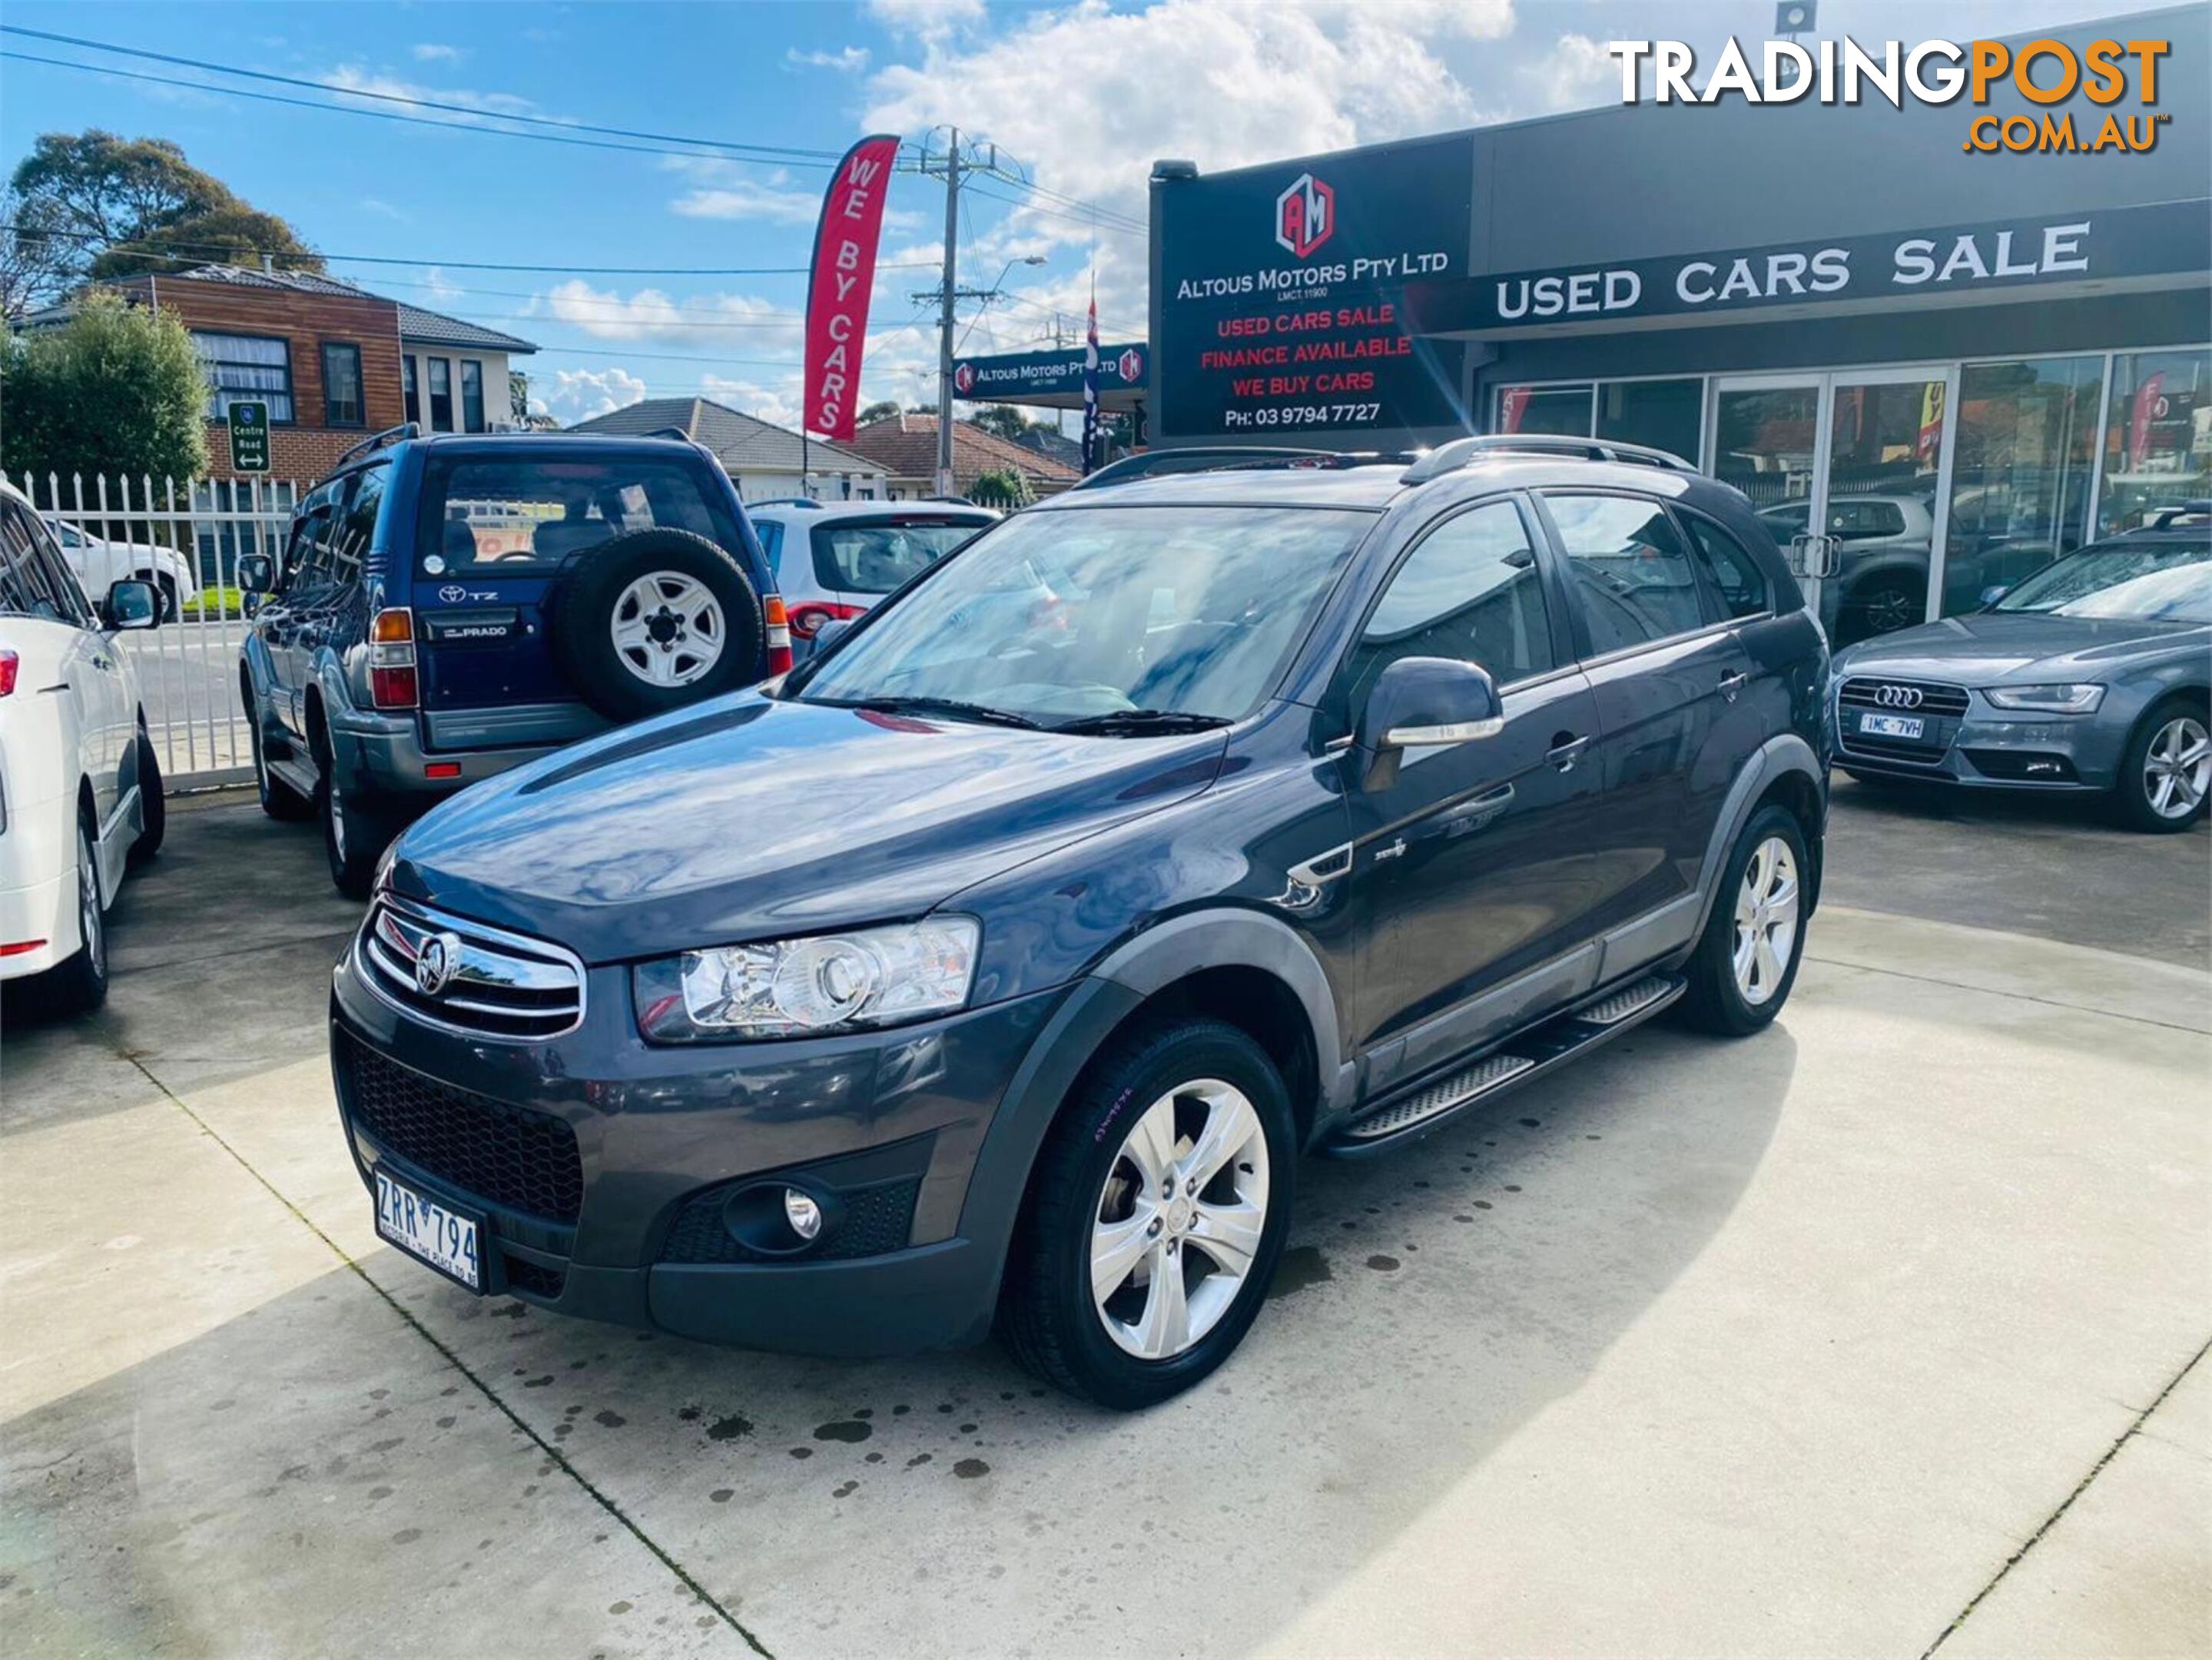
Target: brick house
{"type": "Point", "coordinates": [905, 447]}
{"type": "Point", "coordinates": [333, 361]}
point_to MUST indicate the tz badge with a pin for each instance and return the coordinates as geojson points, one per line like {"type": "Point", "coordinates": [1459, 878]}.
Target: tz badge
{"type": "Point", "coordinates": [1305, 214]}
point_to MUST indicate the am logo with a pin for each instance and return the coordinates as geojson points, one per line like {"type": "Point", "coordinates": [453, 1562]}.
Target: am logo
{"type": "Point", "coordinates": [1305, 216]}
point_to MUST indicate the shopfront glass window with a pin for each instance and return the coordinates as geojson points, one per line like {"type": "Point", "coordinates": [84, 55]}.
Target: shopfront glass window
{"type": "Point", "coordinates": [1560, 410]}
{"type": "Point", "coordinates": [1664, 414]}
{"type": "Point", "coordinates": [2019, 479]}
{"type": "Point", "coordinates": [2158, 437]}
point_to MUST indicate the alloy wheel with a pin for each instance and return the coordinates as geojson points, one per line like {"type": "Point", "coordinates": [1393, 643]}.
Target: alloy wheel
{"type": "Point", "coordinates": [2177, 768]}
{"type": "Point", "coordinates": [1767, 907]}
{"type": "Point", "coordinates": [87, 905]}
{"type": "Point", "coordinates": [668, 628]}
{"type": "Point", "coordinates": [1180, 1219]}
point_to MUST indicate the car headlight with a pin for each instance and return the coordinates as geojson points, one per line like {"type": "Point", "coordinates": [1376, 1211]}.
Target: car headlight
{"type": "Point", "coordinates": [2048, 700]}
{"type": "Point", "coordinates": [830, 983]}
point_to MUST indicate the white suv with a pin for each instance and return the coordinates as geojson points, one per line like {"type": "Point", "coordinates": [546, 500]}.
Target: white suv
{"type": "Point", "coordinates": [832, 561]}
{"type": "Point", "coordinates": [80, 789]}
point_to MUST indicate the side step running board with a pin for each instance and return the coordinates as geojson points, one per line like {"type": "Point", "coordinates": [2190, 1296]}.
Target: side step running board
{"type": "Point", "coordinates": [1527, 1055]}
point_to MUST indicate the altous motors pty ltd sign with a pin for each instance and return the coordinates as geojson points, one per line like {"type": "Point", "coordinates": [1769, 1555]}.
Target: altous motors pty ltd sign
{"type": "Point", "coordinates": [1280, 308]}
{"type": "Point", "coordinates": [840, 281]}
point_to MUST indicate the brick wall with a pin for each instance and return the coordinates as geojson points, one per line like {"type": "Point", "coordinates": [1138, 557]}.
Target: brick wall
{"type": "Point", "coordinates": [306, 449]}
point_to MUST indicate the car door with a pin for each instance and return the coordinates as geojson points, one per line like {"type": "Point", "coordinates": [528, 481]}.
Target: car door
{"type": "Point", "coordinates": [1667, 672]}
{"type": "Point", "coordinates": [282, 622]}
{"type": "Point", "coordinates": [1472, 865]}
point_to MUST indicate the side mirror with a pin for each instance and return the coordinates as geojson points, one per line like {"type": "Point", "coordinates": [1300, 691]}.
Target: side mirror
{"type": "Point", "coordinates": [1425, 702]}
{"type": "Point", "coordinates": [1994, 592]}
{"type": "Point", "coordinates": [256, 573]}
{"type": "Point", "coordinates": [131, 604]}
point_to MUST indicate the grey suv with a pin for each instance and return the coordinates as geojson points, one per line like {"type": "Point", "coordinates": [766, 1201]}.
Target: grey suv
{"type": "Point", "coordinates": [1002, 971]}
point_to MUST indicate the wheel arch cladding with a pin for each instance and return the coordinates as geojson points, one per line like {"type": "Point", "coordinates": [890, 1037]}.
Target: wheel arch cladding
{"type": "Point", "coordinates": [1786, 772]}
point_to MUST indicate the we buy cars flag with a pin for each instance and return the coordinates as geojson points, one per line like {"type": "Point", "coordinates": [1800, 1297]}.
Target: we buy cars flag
{"type": "Point", "coordinates": [839, 280]}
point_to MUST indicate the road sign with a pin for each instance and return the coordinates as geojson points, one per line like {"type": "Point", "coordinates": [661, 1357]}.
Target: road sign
{"type": "Point", "coordinates": [249, 437]}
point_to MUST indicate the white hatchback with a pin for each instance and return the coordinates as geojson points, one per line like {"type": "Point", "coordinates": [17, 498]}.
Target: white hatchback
{"type": "Point", "coordinates": [80, 788]}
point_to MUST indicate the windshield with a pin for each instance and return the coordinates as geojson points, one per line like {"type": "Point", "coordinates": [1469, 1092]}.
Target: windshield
{"type": "Point", "coordinates": [2167, 583]}
{"type": "Point", "coordinates": [1082, 613]}
{"type": "Point", "coordinates": [874, 555]}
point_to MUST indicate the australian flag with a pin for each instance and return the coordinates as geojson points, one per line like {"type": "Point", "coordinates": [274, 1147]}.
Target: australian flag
{"type": "Point", "coordinates": [1094, 435]}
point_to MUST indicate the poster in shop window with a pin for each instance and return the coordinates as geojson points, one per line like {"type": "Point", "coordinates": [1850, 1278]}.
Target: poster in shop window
{"type": "Point", "coordinates": [1280, 302]}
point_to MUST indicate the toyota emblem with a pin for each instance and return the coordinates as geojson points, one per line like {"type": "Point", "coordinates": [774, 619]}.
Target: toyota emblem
{"type": "Point", "coordinates": [437, 963]}
{"type": "Point", "coordinates": [453, 593]}
{"type": "Point", "coordinates": [1897, 697]}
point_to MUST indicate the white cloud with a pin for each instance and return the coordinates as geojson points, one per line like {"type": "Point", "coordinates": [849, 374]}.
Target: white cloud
{"type": "Point", "coordinates": [733, 323]}
{"type": "Point", "coordinates": [382, 209]}
{"type": "Point", "coordinates": [442, 288]}
{"type": "Point", "coordinates": [742, 198]}
{"type": "Point", "coordinates": [351, 77]}
{"type": "Point", "coordinates": [1575, 73]}
{"type": "Point", "coordinates": [926, 18]}
{"type": "Point", "coordinates": [851, 61]}
{"type": "Point", "coordinates": [779, 403]}
{"type": "Point", "coordinates": [429, 51]}
{"type": "Point", "coordinates": [573, 395]}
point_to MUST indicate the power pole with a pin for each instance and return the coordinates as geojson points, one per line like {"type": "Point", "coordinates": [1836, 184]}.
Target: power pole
{"type": "Point", "coordinates": [946, 483]}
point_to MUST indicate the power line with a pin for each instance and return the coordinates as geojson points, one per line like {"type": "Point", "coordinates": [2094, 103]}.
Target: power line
{"type": "Point", "coordinates": [759, 152]}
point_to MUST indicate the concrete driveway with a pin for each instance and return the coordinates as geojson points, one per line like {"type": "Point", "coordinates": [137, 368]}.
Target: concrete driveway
{"type": "Point", "coordinates": [1880, 1331]}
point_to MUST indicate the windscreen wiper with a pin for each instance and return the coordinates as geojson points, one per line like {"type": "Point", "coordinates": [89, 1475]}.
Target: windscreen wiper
{"type": "Point", "coordinates": [951, 707]}
{"type": "Point", "coordinates": [1148, 723]}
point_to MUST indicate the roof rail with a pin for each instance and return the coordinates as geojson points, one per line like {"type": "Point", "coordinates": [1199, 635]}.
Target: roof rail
{"type": "Point", "coordinates": [1463, 452]}
{"type": "Point", "coordinates": [669, 432]}
{"type": "Point", "coordinates": [785, 501]}
{"type": "Point", "coordinates": [1222, 457]}
{"type": "Point", "coordinates": [2180, 510]}
{"type": "Point", "coordinates": [377, 440]}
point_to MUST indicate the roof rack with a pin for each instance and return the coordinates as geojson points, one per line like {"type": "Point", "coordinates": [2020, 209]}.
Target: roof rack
{"type": "Point", "coordinates": [1223, 457]}
{"type": "Point", "coordinates": [785, 501]}
{"type": "Point", "coordinates": [2167, 517]}
{"type": "Point", "coordinates": [378, 441]}
{"type": "Point", "coordinates": [1463, 452]}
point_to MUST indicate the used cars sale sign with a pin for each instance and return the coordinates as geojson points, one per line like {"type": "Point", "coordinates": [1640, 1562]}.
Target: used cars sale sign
{"type": "Point", "coordinates": [838, 285]}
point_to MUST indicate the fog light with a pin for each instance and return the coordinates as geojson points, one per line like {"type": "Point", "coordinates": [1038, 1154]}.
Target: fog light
{"type": "Point", "coordinates": [802, 1212]}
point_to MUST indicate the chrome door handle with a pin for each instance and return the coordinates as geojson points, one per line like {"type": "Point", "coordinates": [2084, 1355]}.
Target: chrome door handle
{"type": "Point", "coordinates": [1732, 683]}
{"type": "Point", "coordinates": [1565, 754]}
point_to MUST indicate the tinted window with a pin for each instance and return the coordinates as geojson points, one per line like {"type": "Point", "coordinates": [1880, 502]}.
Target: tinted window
{"type": "Point", "coordinates": [771, 540]}
{"type": "Point", "coordinates": [1630, 570]}
{"type": "Point", "coordinates": [519, 516]}
{"type": "Point", "coordinates": [1469, 591]}
{"type": "Point", "coordinates": [302, 564]}
{"type": "Point", "coordinates": [1734, 573]}
{"type": "Point", "coordinates": [358, 529]}
{"type": "Point", "coordinates": [29, 584]}
{"type": "Point", "coordinates": [874, 555]}
{"type": "Point", "coordinates": [341, 384]}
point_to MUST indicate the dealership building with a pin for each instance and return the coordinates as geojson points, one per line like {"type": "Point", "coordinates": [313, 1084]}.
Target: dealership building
{"type": "Point", "coordinates": [1932, 367]}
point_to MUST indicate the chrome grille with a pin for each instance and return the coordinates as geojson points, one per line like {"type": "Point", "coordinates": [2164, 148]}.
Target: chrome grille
{"type": "Point", "coordinates": [1895, 696]}
{"type": "Point", "coordinates": [501, 984]}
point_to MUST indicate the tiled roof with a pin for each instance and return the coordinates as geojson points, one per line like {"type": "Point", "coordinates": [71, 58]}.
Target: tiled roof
{"type": "Point", "coordinates": [429, 328]}
{"type": "Point", "coordinates": [906, 445]}
{"type": "Point", "coordinates": [433, 328]}
{"type": "Point", "coordinates": [742, 440]}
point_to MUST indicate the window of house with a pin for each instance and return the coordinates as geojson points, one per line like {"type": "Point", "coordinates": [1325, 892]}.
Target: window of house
{"type": "Point", "coordinates": [245, 368]}
{"type": "Point", "coordinates": [1629, 569]}
{"type": "Point", "coordinates": [472, 410]}
{"type": "Point", "coordinates": [441, 393]}
{"type": "Point", "coordinates": [341, 384]}
{"type": "Point", "coordinates": [407, 393]}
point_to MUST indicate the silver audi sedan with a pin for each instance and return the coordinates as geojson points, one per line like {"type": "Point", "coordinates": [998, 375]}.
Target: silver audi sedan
{"type": "Point", "coordinates": [2094, 675]}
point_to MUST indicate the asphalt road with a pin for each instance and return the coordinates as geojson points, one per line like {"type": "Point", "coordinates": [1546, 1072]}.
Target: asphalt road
{"type": "Point", "coordinates": [1880, 1331]}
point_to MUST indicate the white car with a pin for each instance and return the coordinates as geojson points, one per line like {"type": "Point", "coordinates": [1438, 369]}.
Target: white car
{"type": "Point", "coordinates": [833, 560]}
{"type": "Point", "coordinates": [99, 563]}
{"type": "Point", "coordinates": [80, 788]}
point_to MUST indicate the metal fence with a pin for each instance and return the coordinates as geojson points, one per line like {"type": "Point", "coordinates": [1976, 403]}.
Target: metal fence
{"type": "Point", "coordinates": [187, 535]}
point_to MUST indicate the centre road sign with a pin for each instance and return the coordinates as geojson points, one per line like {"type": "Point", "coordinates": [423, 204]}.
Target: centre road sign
{"type": "Point", "coordinates": [249, 437]}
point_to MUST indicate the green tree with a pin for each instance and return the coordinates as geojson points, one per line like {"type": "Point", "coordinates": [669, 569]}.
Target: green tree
{"type": "Point", "coordinates": [1005, 489]}
{"type": "Point", "coordinates": [882, 410]}
{"type": "Point", "coordinates": [110, 206]}
{"type": "Point", "coordinates": [119, 389]}
{"type": "Point", "coordinates": [1003, 419]}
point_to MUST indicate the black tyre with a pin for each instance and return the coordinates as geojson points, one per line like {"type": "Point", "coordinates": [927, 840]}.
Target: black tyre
{"type": "Point", "coordinates": [2166, 777]}
{"type": "Point", "coordinates": [79, 984]}
{"type": "Point", "coordinates": [353, 836]}
{"type": "Point", "coordinates": [165, 590]}
{"type": "Point", "coordinates": [655, 619]}
{"type": "Point", "coordinates": [278, 799]}
{"type": "Point", "coordinates": [153, 805]}
{"type": "Point", "coordinates": [1155, 1217]}
{"type": "Point", "coordinates": [1746, 959]}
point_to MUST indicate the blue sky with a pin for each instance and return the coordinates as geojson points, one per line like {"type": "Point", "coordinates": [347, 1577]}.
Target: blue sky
{"type": "Point", "coordinates": [1082, 96]}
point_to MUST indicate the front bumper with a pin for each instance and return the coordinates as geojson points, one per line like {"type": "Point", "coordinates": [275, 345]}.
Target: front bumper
{"type": "Point", "coordinates": [1983, 750]}
{"type": "Point", "coordinates": [656, 1129]}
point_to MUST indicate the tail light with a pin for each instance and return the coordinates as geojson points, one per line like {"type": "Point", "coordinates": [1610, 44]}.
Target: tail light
{"type": "Point", "coordinates": [391, 682]}
{"type": "Point", "coordinates": [806, 620]}
{"type": "Point", "coordinates": [10, 666]}
{"type": "Point", "coordinates": [779, 636]}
